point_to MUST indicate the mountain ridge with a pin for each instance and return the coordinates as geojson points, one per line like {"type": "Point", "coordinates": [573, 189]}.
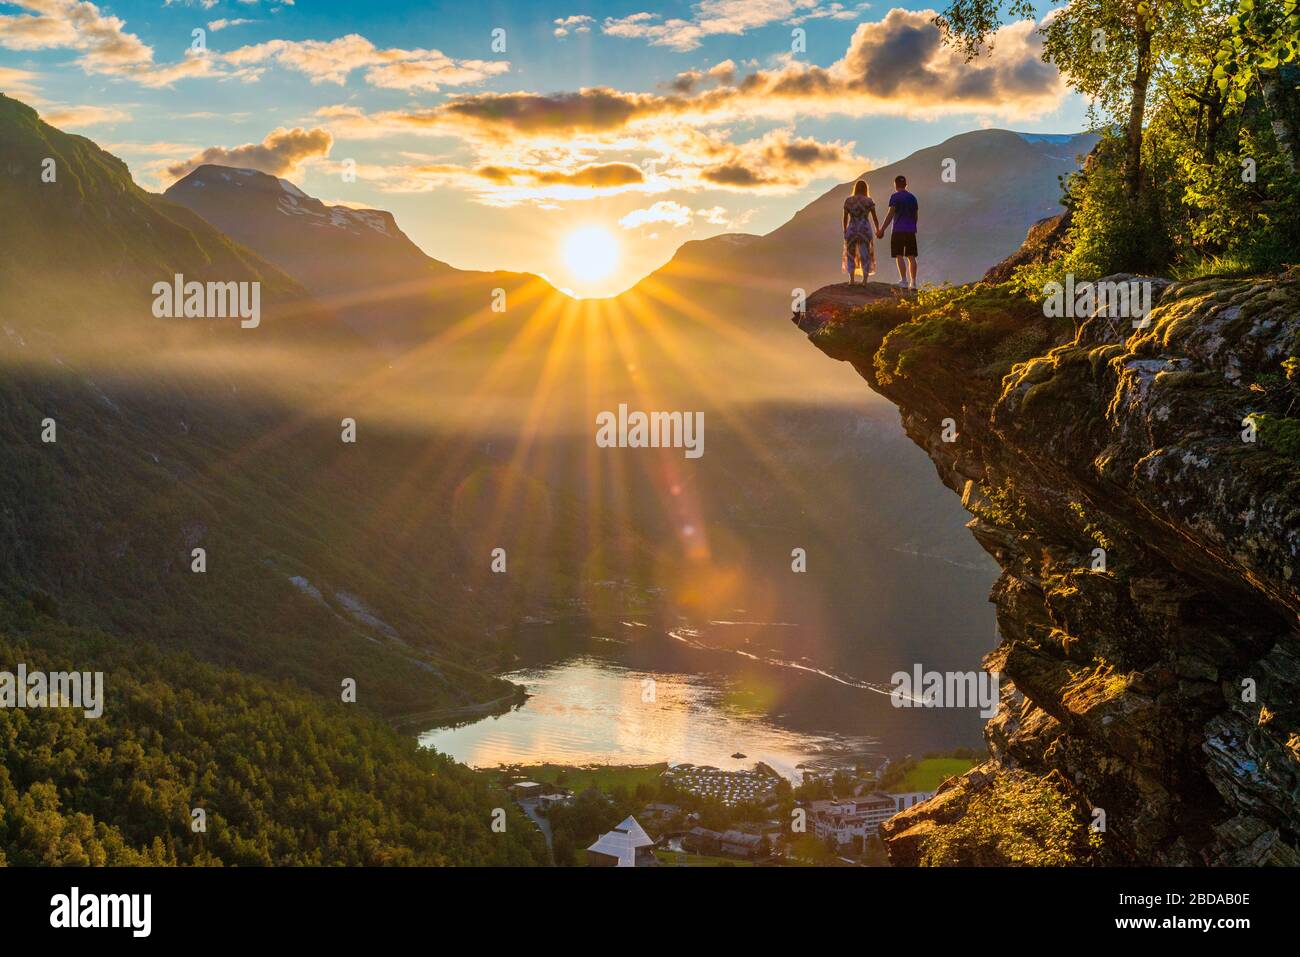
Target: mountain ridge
{"type": "Point", "coordinates": [359, 261]}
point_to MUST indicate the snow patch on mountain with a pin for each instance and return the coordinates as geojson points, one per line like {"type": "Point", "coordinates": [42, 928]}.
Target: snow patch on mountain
{"type": "Point", "coordinates": [1046, 137]}
{"type": "Point", "coordinates": [340, 217]}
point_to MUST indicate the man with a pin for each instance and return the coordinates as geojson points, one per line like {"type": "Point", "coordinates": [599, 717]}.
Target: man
{"type": "Point", "coordinates": [903, 209]}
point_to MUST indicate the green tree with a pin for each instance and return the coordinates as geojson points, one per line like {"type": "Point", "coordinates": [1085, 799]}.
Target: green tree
{"type": "Point", "coordinates": [1262, 43]}
{"type": "Point", "coordinates": [1105, 49]}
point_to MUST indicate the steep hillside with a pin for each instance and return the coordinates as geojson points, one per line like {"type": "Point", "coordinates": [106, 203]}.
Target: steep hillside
{"type": "Point", "coordinates": [85, 246]}
{"type": "Point", "coordinates": [1140, 489]}
{"type": "Point", "coordinates": [177, 434]}
{"type": "Point", "coordinates": [282, 776]}
{"type": "Point", "coordinates": [127, 442]}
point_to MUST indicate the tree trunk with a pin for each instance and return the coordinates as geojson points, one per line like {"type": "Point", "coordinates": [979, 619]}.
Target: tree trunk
{"type": "Point", "coordinates": [1283, 104]}
{"type": "Point", "coordinates": [1137, 111]}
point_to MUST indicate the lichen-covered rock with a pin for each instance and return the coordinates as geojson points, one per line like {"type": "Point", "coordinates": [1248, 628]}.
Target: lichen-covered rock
{"type": "Point", "coordinates": [1140, 490]}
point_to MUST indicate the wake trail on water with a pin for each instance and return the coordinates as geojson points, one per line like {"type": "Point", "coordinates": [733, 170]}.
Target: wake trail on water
{"type": "Point", "coordinates": [691, 638]}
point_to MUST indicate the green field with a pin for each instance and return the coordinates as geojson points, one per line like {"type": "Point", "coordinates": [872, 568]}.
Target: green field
{"type": "Point", "coordinates": [604, 777]}
{"type": "Point", "coordinates": [929, 773]}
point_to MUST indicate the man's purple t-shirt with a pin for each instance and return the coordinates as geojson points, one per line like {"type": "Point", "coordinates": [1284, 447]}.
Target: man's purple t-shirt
{"type": "Point", "coordinates": [905, 207]}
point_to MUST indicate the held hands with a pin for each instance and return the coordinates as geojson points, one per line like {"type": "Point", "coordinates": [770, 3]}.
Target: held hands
{"type": "Point", "coordinates": [880, 233]}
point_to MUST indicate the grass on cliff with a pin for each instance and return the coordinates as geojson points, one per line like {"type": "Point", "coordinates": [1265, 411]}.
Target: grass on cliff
{"type": "Point", "coordinates": [982, 327]}
{"type": "Point", "coordinates": [982, 330]}
{"type": "Point", "coordinates": [1018, 820]}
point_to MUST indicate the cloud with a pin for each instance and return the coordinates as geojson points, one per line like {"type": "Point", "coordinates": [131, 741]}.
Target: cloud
{"type": "Point", "coordinates": [332, 61]}
{"type": "Point", "coordinates": [665, 211]}
{"type": "Point", "coordinates": [223, 23]}
{"type": "Point", "coordinates": [718, 216]}
{"type": "Point", "coordinates": [678, 215]}
{"type": "Point", "coordinates": [897, 66]}
{"type": "Point", "coordinates": [527, 147]}
{"type": "Point", "coordinates": [543, 147]}
{"type": "Point", "coordinates": [108, 48]}
{"type": "Point", "coordinates": [593, 174]}
{"type": "Point", "coordinates": [594, 109]}
{"type": "Point", "coordinates": [833, 11]}
{"type": "Point", "coordinates": [157, 148]}
{"type": "Point", "coordinates": [18, 83]}
{"type": "Point", "coordinates": [777, 162]}
{"type": "Point", "coordinates": [193, 65]}
{"type": "Point", "coordinates": [691, 161]}
{"type": "Point", "coordinates": [65, 117]}
{"type": "Point", "coordinates": [719, 17]}
{"type": "Point", "coordinates": [720, 74]}
{"type": "Point", "coordinates": [509, 185]}
{"type": "Point", "coordinates": [281, 153]}
{"type": "Point", "coordinates": [105, 45]}
{"type": "Point", "coordinates": [905, 53]}
{"type": "Point", "coordinates": [575, 24]}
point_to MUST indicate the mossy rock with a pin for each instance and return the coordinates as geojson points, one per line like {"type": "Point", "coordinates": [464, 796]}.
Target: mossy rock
{"type": "Point", "coordinates": [1019, 819]}
{"type": "Point", "coordinates": [1278, 434]}
{"type": "Point", "coordinates": [982, 329]}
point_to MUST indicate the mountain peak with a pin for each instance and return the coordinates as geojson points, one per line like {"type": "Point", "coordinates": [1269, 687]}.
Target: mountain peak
{"type": "Point", "coordinates": [241, 176]}
{"type": "Point", "coordinates": [286, 198]}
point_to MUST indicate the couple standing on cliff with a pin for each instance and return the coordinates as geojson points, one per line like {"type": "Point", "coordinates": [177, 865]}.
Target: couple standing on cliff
{"type": "Point", "coordinates": [860, 235]}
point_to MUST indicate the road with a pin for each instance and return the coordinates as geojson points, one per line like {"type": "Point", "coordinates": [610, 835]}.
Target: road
{"type": "Point", "coordinates": [543, 825]}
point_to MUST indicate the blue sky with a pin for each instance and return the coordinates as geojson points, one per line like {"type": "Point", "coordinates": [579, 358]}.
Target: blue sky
{"type": "Point", "coordinates": [697, 118]}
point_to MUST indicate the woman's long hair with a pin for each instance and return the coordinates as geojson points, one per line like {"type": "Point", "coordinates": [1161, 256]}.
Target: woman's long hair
{"type": "Point", "coordinates": [860, 188]}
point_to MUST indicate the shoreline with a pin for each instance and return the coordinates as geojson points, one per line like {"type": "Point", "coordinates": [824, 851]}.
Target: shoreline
{"type": "Point", "coordinates": [418, 722]}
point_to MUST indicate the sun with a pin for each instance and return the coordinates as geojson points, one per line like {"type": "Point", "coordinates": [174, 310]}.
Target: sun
{"type": "Point", "coordinates": [590, 253]}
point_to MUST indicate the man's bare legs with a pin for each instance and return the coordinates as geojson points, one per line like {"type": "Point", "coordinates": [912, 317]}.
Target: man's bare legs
{"type": "Point", "coordinates": [906, 263]}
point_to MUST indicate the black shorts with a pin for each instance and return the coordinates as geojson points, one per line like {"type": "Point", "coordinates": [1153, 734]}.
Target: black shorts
{"type": "Point", "coordinates": [902, 244]}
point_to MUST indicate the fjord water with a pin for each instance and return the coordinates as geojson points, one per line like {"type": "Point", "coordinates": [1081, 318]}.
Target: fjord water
{"type": "Point", "coordinates": [792, 668]}
{"type": "Point", "coordinates": [702, 694]}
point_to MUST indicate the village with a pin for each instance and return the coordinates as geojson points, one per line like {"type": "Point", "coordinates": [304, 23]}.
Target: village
{"type": "Point", "coordinates": [700, 816]}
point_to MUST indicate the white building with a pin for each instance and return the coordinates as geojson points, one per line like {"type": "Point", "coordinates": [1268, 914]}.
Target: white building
{"type": "Point", "coordinates": [627, 845]}
{"type": "Point", "coordinates": [845, 820]}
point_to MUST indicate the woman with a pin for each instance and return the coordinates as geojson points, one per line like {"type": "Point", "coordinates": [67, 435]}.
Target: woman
{"type": "Point", "coordinates": [859, 234]}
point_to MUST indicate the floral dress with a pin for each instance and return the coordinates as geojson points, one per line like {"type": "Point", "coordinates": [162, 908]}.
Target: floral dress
{"type": "Point", "coordinates": [859, 236]}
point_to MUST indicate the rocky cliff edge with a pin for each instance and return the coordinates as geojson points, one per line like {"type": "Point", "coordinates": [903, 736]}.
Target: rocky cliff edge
{"type": "Point", "coordinates": [1140, 489]}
